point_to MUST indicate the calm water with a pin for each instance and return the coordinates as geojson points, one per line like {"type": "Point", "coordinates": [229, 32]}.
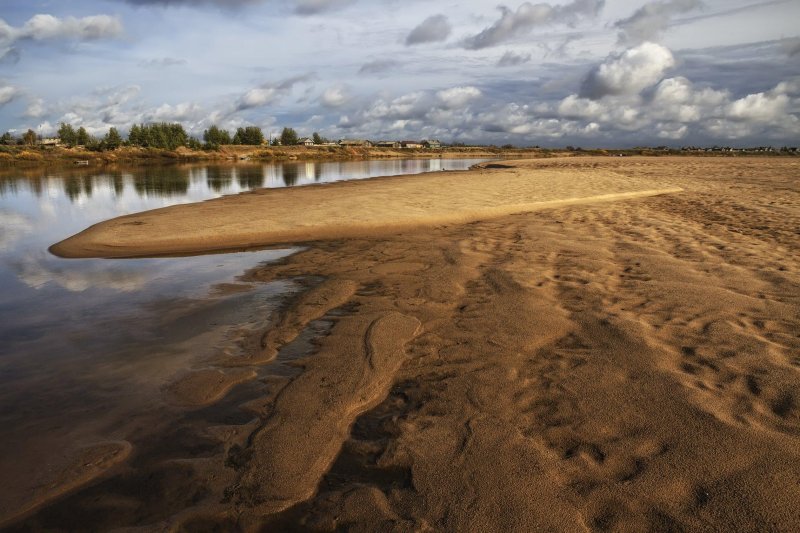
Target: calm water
{"type": "Point", "coordinates": [92, 342]}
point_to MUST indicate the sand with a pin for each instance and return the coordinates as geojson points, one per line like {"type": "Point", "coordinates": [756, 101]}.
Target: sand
{"type": "Point", "coordinates": [626, 365]}
{"type": "Point", "coordinates": [348, 209]}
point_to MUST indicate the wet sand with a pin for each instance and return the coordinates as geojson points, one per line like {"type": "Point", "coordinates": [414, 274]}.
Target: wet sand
{"type": "Point", "coordinates": [625, 365]}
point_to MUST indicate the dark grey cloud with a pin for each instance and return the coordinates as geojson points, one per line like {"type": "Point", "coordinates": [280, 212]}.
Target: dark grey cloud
{"type": "Point", "coordinates": [511, 59]}
{"type": "Point", "coordinates": [313, 7]}
{"type": "Point", "coordinates": [379, 66]}
{"type": "Point", "coordinates": [791, 46]}
{"type": "Point", "coordinates": [219, 3]}
{"type": "Point", "coordinates": [528, 16]}
{"type": "Point", "coordinates": [301, 7]}
{"type": "Point", "coordinates": [433, 29]}
{"type": "Point", "coordinates": [649, 21]}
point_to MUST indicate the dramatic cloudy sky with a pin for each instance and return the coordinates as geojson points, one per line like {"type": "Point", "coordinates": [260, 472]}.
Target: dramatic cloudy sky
{"type": "Point", "coordinates": [582, 72]}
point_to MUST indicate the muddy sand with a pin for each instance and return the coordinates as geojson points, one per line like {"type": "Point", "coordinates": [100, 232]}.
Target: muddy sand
{"type": "Point", "coordinates": [545, 347]}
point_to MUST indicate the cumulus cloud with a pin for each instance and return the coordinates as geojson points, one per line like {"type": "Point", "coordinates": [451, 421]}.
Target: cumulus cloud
{"type": "Point", "coordinates": [649, 21]}
{"type": "Point", "coordinates": [759, 107]}
{"type": "Point", "coordinates": [7, 94]}
{"type": "Point", "coordinates": [528, 16]}
{"type": "Point", "coordinates": [458, 96]}
{"type": "Point", "coordinates": [269, 93]}
{"type": "Point", "coordinates": [630, 72]}
{"type": "Point", "coordinates": [379, 66]}
{"type": "Point", "coordinates": [334, 96]}
{"type": "Point", "coordinates": [47, 27]}
{"type": "Point", "coordinates": [433, 29]}
{"type": "Point", "coordinates": [511, 59]}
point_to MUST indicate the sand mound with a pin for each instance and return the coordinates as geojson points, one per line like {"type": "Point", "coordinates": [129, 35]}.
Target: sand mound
{"type": "Point", "coordinates": [349, 209]}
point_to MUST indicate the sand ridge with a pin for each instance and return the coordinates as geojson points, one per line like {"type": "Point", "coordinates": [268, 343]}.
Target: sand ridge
{"type": "Point", "coordinates": [348, 209]}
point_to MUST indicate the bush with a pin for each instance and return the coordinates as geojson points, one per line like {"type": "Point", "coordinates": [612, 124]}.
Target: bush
{"type": "Point", "coordinates": [27, 155]}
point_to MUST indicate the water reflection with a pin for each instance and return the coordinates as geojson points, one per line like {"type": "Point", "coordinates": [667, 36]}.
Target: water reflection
{"type": "Point", "coordinates": [187, 182]}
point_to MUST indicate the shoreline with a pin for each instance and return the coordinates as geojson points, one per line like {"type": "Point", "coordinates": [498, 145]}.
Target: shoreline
{"type": "Point", "coordinates": [350, 209]}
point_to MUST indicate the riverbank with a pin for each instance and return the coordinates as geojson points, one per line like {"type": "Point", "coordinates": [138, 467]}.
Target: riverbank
{"type": "Point", "coordinates": [33, 157]}
{"type": "Point", "coordinates": [616, 365]}
{"type": "Point", "coordinates": [19, 156]}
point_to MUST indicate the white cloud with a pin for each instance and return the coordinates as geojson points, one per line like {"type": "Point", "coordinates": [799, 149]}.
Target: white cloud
{"type": "Point", "coordinates": [36, 109]}
{"type": "Point", "coordinates": [759, 107]}
{"type": "Point", "coordinates": [631, 72]}
{"type": "Point", "coordinates": [334, 96]}
{"type": "Point", "coordinates": [458, 96]}
{"type": "Point", "coordinates": [45, 27]}
{"type": "Point", "coordinates": [7, 94]}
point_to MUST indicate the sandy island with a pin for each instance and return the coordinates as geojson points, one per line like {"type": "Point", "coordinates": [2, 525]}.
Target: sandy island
{"type": "Point", "coordinates": [356, 208]}
{"type": "Point", "coordinates": [502, 352]}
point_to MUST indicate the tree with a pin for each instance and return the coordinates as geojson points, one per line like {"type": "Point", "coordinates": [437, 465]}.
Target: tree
{"type": "Point", "coordinates": [67, 134]}
{"type": "Point", "coordinates": [135, 136]}
{"type": "Point", "coordinates": [215, 136]}
{"type": "Point", "coordinates": [82, 137]}
{"type": "Point", "coordinates": [288, 137]}
{"type": "Point", "coordinates": [162, 135]}
{"type": "Point", "coordinates": [7, 138]}
{"type": "Point", "coordinates": [317, 139]}
{"type": "Point", "coordinates": [251, 135]}
{"type": "Point", "coordinates": [112, 140]}
{"type": "Point", "coordinates": [29, 138]}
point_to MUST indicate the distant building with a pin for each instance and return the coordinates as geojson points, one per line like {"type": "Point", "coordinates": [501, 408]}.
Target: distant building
{"type": "Point", "coordinates": [411, 144]}
{"type": "Point", "coordinates": [432, 144]}
{"type": "Point", "coordinates": [305, 141]}
{"type": "Point", "coordinates": [355, 143]}
{"type": "Point", "coordinates": [52, 141]}
{"type": "Point", "coordinates": [388, 144]}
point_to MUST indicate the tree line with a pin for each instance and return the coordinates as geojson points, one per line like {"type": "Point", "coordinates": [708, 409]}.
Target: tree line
{"type": "Point", "coordinates": [163, 135]}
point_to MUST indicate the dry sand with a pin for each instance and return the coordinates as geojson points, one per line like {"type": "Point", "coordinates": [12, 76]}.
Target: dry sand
{"type": "Point", "coordinates": [627, 366]}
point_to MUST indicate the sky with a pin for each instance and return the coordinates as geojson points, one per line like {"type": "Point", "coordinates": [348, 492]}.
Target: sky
{"type": "Point", "coordinates": [589, 73]}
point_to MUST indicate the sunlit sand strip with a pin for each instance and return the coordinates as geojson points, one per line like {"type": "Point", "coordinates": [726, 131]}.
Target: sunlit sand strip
{"type": "Point", "coordinates": [352, 209]}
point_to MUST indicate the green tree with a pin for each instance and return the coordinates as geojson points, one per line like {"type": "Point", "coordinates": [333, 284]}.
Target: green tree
{"type": "Point", "coordinates": [288, 137]}
{"type": "Point", "coordinates": [7, 138]}
{"type": "Point", "coordinates": [135, 136]}
{"type": "Point", "coordinates": [317, 139]}
{"type": "Point", "coordinates": [82, 137]}
{"type": "Point", "coordinates": [251, 135]}
{"type": "Point", "coordinates": [215, 136]}
{"type": "Point", "coordinates": [67, 134]}
{"type": "Point", "coordinates": [162, 135]}
{"type": "Point", "coordinates": [113, 139]}
{"type": "Point", "coordinates": [29, 138]}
